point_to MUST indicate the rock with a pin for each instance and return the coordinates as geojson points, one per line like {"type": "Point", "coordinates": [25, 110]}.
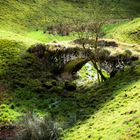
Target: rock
{"type": "Point", "coordinates": [70, 86]}
{"type": "Point", "coordinates": [54, 82]}
{"type": "Point", "coordinates": [48, 85]}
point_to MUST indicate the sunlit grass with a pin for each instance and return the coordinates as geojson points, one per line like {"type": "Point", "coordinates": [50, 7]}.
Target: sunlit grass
{"type": "Point", "coordinates": [33, 37]}
{"type": "Point", "coordinates": [114, 113]}
{"type": "Point", "coordinates": [128, 32]}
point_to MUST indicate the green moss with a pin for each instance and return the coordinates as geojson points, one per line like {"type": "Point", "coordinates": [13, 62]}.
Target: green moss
{"type": "Point", "coordinates": [7, 114]}
{"type": "Point", "coordinates": [71, 65]}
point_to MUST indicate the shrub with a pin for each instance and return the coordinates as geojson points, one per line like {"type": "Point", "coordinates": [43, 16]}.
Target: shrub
{"type": "Point", "coordinates": [35, 128]}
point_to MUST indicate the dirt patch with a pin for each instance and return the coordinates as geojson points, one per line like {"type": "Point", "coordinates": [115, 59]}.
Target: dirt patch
{"type": "Point", "coordinates": [7, 132]}
{"type": "Point", "coordinates": [2, 88]}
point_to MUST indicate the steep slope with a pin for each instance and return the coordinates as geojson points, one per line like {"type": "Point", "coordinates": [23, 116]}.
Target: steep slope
{"type": "Point", "coordinates": [110, 111]}
{"type": "Point", "coordinates": [126, 32]}
{"type": "Point", "coordinates": [27, 15]}
{"type": "Point", "coordinates": [24, 20]}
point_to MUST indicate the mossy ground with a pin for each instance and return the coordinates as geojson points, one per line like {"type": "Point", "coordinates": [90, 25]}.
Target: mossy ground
{"type": "Point", "coordinates": [26, 85]}
{"type": "Point", "coordinates": [108, 111]}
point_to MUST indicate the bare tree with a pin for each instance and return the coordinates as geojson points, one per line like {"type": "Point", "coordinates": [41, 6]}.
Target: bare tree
{"type": "Point", "coordinates": [85, 35]}
{"type": "Point", "coordinates": [89, 29]}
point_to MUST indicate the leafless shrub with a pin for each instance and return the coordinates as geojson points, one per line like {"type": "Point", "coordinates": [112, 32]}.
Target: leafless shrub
{"type": "Point", "coordinates": [35, 128]}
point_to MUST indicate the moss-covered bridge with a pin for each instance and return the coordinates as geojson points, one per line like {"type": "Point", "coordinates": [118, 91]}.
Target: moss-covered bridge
{"type": "Point", "coordinates": [66, 61]}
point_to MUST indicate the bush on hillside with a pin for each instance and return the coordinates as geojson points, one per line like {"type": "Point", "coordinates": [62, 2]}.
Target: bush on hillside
{"type": "Point", "coordinates": [34, 128]}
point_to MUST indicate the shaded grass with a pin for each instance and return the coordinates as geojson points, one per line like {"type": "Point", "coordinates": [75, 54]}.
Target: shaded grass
{"type": "Point", "coordinates": [109, 111]}
{"type": "Point", "coordinates": [24, 77]}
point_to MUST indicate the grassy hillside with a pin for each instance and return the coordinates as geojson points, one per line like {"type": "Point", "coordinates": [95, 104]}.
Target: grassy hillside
{"type": "Point", "coordinates": [128, 31]}
{"type": "Point", "coordinates": [20, 20]}
{"type": "Point", "coordinates": [106, 111]}
{"type": "Point", "coordinates": [34, 14]}
{"type": "Point", "coordinates": [110, 111]}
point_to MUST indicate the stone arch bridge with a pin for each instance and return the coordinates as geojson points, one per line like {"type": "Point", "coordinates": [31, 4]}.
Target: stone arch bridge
{"type": "Point", "coordinates": [65, 62]}
{"type": "Point", "coordinates": [61, 59]}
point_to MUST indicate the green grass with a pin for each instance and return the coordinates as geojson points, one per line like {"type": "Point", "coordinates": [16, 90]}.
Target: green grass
{"type": "Point", "coordinates": [128, 32]}
{"type": "Point", "coordinates": [110, 111]}
{"type": "Point", "coordinates": [34, 14]}
{"type": "Point", "coordinates": [107, 111]}
{"type": "Point", "coordinates": [26, 25]}
{"type": "Point", "coordinates": [21, 25]}
{"type": "Point", "coordinates": [44, 37]}
{"type": "Point", "coordinates": [9, 35]}
{"type": "Point", "coordinates": [33, 37]}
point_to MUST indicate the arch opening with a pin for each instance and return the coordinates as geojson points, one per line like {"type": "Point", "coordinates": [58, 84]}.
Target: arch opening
{"type": "Point", "coordinates": [87, 75]}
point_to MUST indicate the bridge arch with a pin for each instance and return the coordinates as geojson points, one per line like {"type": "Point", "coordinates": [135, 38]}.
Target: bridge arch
{"type": "Point", "coordinates": [71, 67]}
{"type": "Point", "coordinates": [66, 61]}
